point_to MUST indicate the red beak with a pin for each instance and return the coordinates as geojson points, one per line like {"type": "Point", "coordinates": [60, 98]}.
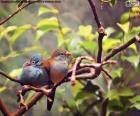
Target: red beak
{"type": "Point", "coordinates": [26, 64]}
{"type": "Point", "coordinates": [68, 53]}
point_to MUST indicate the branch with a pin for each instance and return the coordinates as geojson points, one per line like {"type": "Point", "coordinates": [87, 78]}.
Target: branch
{"type": "Point", "coordinates": [9, 77]}
{"type": "Point", "coordinates": [101, 31]}
{"type": "Point", "coordinates": [4, 108]}
{"type": "Point", "coordinates": [115, 51]}
{"type": "Point", "coordinates": [17, 11]}
{"type": "Point", "coordinates": [94, 13]}
{"type": "Point", "coordinates": [32, 102]}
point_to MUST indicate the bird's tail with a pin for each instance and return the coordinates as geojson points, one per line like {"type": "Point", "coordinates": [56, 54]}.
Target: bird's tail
{"type": "Point", "coordinates": [50, 99]}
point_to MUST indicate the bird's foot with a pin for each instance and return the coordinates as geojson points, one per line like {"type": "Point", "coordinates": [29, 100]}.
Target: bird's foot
{"type": "Point", "coordinates": [23, 104]}
{"type": "Point", "coordinates": [21, 100]}
{"type": "Point", "coordinates": [46, 91]}
{"type": "Point", "coordinates": [73, 81]}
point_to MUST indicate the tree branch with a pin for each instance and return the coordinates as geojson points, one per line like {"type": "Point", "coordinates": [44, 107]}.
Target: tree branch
{"type": "Point", "coordinates": [17, 11]}
{"type": "Point", "coordinates": [115, 51]}
{"type": "Point", "coordinates": [101, 31]}
{"type": "Point", "coordinates": [4, 108]}
{"type": "Point", "coordinates": [9, 77]}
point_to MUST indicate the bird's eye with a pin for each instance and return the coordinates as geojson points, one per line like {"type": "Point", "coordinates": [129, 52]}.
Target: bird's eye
{"type": "Point", "coordinates": [61, 54]}
{"type": "Point", "coordinates": [33, 62]}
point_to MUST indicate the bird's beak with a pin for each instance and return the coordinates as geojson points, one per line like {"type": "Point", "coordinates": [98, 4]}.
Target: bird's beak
{"type": "Point", "coordinates": [68, 53]}
{"type": "Point", "coordinates": [27, 63]}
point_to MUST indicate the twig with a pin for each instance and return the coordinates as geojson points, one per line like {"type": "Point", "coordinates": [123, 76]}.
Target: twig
{"type": "Point", "coordinates": [104, 107]}
{"type": "Point", "coordinates": [32, 102]}
{"type": "Point", "coordinates": [114, 51]}
{"type": "Point", "coordinates": [4, 108]}
{"type": "Point", "coordinates": [9, 77]}
{"type": "Point", "coordinates": [18, 10]}
{"type": "Point", "coordinates": [94, 13]}
{"type": "Point", "coordinates": [101, 31]}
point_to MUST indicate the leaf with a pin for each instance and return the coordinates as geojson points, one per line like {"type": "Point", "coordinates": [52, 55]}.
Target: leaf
{"type": "Point", "coordinates": [65, 30]}
{"type": "Point", "coordinates": [20, 30]}
{"type": "Point", "coordinates": [72, 103]}
{"type": "Point", "coordinates": [135, 102]}
{"type": "Point", "coordinates": [135, 99]}
{"type": "Point", "coordinates": [134, 31]}
{"type": "Point", "coordinates": [39, 34]}
{"type": "Point", "coordinates": [110, 43]}
{"type": "Point", "coordinates": [115, 94]}
{"type": "Point", "coordinates": [46, 25]}
{"type": "Point", "coordinates": [109, 31]}
{"type": "Point", "coordinates": [8, 29]}
{"type": "Point", "coordinates": [30, 95]}
{"type": "Point", "coordinates": [43, 10]}
{"type": "Point", "coordinates": [2, 89]}
{"type": "Point", "coordinates": [117, 72]}
{"type": "Point", "coordinates": [135, 9]}
{"type": "Point", "coordinates": [77, 88]}
{"type": "Point", "coordinates": [133, 46]}
{"type": "Point", "coordinates": [15, 72]}
{"type": "Point", "coordinates": [136, 105]}
{"type": "Point", "coordinates": [48, 22]}
{"type": "Point", "coordinates": [134, 60]}
{"type": "Point", "coordinates": [90, 45]}
{"type": "Point", "coordinates": [113, 2]}
{"type": "Point", "coordinates": [85, 31]}
{"type": "Point", "coordinates": [124, 27]}
{"type": "Point", "coordinates": [18, 53]}
{"type": "Point", "coordinates": [125, 17]}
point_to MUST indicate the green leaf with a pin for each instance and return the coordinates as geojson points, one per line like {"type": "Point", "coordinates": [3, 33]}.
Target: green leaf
{"type": "Point", "coordinates": [48, 22]}
{"type": "Point", "coordinates": [90, 45]}
{"type": "Point", "coordinates": [20, 30]}
{"type": "Point", "coordinates": [46, 25]}
{"type": "Point", "coordinates": [124, 27]}
{"type": "Point", "coordinates": [15, 72]}
{"type": "Point", "coordinates": [133, 46]}
{"type": "Point", "coordinates": [135, 9]}
{"type": "Point", "coordinates": [8, 29]}
{"type": "Point", "coordinates": [43, 10]}
{"type": "Point", "coordinates": [72, 103]}
{"type": "Point", "coordinates": [39, 34]}
{"type": "Point", "coordinates": [110, 43]}
{"type": "Point", "coordinates": [86, 32]}
{"type": "Point", "coordinates": [113, 2]}
{"type": "Point", "coordinates": [134, 31]}
{"type": "Point", "coordinates": [117, 72]}
{"type": "Point", "coordinates": [30, 95]}
{"type": "Point", "coordinates": [134, 60]}
{"type": "Point", "coordinates": [135, 99]}
{"type": "Point", "coordinates": [124, 17]}
{"type": "Point", "coordinates": [77, 88]}
{"type": "Point", "coordinates": [2, 89]}
{"type": "Point", "coordinates": [136, 105]}
{"type": "Point", "coordinates": [115, 94]}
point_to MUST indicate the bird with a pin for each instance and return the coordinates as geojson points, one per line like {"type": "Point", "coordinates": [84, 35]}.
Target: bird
{"type": "Point", "coordinates": [33, 74]}
{"type": "Point", "coordinates": [57, 68]}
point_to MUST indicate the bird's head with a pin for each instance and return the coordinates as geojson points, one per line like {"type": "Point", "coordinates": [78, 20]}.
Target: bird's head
{"type": "Point", "coordinates": [35, 60]}
{"type": "Point", "coordinates": [60, 54]}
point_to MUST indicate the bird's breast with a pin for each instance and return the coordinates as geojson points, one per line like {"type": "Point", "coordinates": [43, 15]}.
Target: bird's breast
{"type": "Point", "coordinates": [58, 70]}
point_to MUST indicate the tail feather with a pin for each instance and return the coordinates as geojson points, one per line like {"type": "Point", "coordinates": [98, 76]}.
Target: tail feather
{"type": "Point", "coordinates": [50, 100]}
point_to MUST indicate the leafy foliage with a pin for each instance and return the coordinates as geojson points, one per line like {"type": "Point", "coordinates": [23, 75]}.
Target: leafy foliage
{"type": "Point", "coordinates": [79, 41]}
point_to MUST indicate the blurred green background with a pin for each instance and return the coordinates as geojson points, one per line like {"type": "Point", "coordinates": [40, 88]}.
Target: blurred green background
{"type": "Point", "coordinates": [43, 27]}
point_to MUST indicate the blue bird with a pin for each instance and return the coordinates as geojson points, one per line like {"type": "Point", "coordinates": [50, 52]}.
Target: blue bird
{"type": "Point", "coordinates": [33, 73]}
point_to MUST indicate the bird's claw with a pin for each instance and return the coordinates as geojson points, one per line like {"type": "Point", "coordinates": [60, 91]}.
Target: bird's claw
{"type": "Point", "coordinates": [73, 82]}
{"type": "Point", "coordinates": [23, 104]}
{"type": "Point", "coordinates": [46, 91]}
{"type": "Point", "coordinates": [21, 100]}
